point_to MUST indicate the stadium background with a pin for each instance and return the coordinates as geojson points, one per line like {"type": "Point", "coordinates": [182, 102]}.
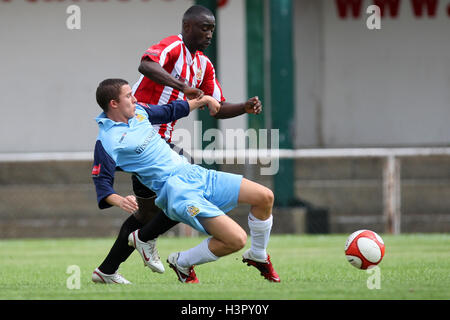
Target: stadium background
{"type": "Point", "coordinates": [352, 88]}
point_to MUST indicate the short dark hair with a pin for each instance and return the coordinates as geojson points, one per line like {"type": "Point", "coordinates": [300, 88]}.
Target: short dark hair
{"type": "Point", "coordinates": [195, 11]}
{"type": "Point", "coordinates": [107, 90]}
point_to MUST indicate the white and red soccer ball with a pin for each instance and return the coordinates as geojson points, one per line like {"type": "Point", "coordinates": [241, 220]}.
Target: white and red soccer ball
{"type": "Point", "coordinates": [364, 248]}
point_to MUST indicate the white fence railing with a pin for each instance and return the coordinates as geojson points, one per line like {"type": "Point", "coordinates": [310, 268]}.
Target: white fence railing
{"type": "Point", "coordinates": [391, 168]}
{"type": "Point", "coordinates": [391, 165]}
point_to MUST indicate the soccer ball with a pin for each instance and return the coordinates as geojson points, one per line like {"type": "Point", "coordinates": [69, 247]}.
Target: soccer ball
{"type": "Point", "coordinates": [364, 248]}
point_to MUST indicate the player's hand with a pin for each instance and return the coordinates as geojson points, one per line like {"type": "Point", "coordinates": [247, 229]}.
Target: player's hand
{"type": "Point", "coordinates": [213, 106]}
{"type": "Point", "coordinates": [193, 93]}
{"type": "Point", "coordinates": [129, 204]}
{"type": "Point", "coordinates": [253, 106]}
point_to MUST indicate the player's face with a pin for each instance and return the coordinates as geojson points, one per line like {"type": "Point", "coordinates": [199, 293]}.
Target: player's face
{"type": "Point", "coordinates": [203, 30]}
{"type": "Point", "coordinates": [126, 102]}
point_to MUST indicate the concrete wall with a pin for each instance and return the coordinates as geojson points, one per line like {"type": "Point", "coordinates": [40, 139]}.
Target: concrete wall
{"type": "Point", "coordinates": [50, 73]}
{"type": "Point", "coordinates": [354, 86]}
{"type": "Point", "coordinates": [361, 87]}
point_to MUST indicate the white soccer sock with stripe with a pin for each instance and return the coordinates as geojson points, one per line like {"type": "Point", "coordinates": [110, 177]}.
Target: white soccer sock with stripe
{"type": "Point", "coordinates": [197, 255]}
{"type": "Point", "coordinates": [260, 233]}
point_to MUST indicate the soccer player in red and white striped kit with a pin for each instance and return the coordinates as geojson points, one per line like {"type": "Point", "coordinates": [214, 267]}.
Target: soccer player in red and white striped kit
{"type": "Point", "coordinates": [175, 68]}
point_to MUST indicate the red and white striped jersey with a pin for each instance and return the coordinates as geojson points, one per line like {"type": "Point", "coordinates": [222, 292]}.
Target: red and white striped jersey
{"type": "Point", "coordinates": [196, 70]}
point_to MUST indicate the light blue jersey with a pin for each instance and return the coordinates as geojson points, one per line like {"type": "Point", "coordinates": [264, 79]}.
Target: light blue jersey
{"type": "Point", "coordinates": [132, 145]}
{"type": "Point", "coordinates": [185, 192]}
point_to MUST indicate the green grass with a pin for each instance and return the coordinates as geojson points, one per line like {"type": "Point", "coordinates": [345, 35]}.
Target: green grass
{"type": "Point", "coordinates": [311, 267]}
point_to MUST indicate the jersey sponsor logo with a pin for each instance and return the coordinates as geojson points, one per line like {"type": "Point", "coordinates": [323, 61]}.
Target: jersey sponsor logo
{"type": "Point", "coordinates": [193, 211]}
{"type": "Point", "coordinates": [96, 170]}
{"type": "Point", "coordinates": [139, 149]}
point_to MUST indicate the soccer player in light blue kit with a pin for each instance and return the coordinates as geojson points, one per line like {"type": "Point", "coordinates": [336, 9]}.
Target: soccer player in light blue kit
{"type": "Point", "coordinates": [187, 193]}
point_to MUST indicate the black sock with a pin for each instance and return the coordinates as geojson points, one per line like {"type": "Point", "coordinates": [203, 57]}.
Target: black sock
{"type": "Point", "coordinates": [156, 227]}
{"type": "Point", "coordinates": [120, 251]}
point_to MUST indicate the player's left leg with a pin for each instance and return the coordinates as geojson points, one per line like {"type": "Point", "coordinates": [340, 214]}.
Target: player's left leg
{"type": "Point", "coordinates": [260, 217]}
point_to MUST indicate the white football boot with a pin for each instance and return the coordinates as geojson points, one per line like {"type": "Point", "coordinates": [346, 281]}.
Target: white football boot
{"type": "Point", "coordinates": [115, 278]}
{"type": "Point", "coordinates": [148, 252]}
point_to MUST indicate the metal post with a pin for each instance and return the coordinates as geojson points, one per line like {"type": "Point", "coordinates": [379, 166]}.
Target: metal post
{"type": "Point", "coordinates": [255, 30]}
{"type": "Point", "coordinates": [391, 194]}
{"type": "Point", "coordinates": [282, 94]}
{"type": "Point", "coordinates": [255, 58]}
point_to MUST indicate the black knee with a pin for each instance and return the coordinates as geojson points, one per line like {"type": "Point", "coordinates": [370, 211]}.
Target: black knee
{"type": "Point", "coordinates": [141, 190]}
{"type": "Point", "coordinates": [129, 225]}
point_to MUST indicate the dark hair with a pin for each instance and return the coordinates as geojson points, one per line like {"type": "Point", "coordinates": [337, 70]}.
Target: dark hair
{"type": "Point", "coordinates": [108, 90]}
{"type": "Point", "coordinates": [195, 11]}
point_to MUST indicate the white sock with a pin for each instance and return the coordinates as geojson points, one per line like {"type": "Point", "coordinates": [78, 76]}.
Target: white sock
{"type": "Point", "coordinates": [260, 233]}
{"type": "Point", "coordinates": [197, 255]}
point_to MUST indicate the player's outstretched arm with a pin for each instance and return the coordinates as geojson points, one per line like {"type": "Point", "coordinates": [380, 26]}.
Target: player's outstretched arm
{"type": "Point", "coordinates": [178, 109]}
{"type": "Point", "coordinates": [158, 74]}
{"type": "Point", "coordinates": [166, 113]}
{"type": "Point", "coordinates": [231, 110]}
{"type": "Point", "coordinates": [213, 105]}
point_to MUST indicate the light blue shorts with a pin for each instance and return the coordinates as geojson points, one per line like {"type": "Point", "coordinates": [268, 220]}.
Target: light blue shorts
{"type": "Point", "coordinates": [198, 192]}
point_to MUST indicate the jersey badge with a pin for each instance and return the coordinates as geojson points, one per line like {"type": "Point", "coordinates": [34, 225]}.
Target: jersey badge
{"type": "Point", "coordinates": [199, 74]}
{"type": "Point", "coordinates": [140, 117]}
{"type": "Point", "coordinates": [193, 210]}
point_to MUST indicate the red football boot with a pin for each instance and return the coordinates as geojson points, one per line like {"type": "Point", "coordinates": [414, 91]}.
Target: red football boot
{"type": "Point", "coordinates": [264, 266]}
{"type": "Point", "coordinates": [185, 275]}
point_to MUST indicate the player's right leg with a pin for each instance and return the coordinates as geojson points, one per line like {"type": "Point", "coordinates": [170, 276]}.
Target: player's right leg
{"type": "Point", "coordinates": [260, 224]}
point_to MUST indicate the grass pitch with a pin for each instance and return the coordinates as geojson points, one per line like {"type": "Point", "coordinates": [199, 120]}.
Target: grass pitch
{"type": "Point", "coordinates": [310, 267]}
